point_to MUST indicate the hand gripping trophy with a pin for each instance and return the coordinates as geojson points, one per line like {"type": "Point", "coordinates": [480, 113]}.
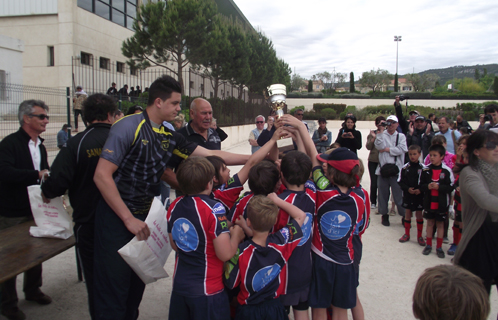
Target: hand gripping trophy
{"type": "Point", "coordinates": [276, 98]}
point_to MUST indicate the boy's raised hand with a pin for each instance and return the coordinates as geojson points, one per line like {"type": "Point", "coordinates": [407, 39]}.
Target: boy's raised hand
{"type": "Point", "coordinates": [237, 233]}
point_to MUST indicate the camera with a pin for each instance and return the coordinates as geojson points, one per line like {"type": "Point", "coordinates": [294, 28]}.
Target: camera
{"type": "Point", "coordinates": [488, 118]}
{"type": "Point", "coordinates": [386, 123]}
{"type": "Point", "coordinates": [403, 97]}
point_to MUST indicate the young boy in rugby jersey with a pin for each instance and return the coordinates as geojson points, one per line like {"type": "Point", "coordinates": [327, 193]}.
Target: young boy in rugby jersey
{"type": "Point", "coordinates": [258, 263]}
{"type": "Point", "coordinates": [199, 233]}
{"type": "Point", "coordinates": [296, 169]}
{"type": "Point", "coordinates": [339, 208]}
{"type": "Point", "coordinates": [436, 181]}
{"type": "Point", "coordinates": [413, 196]}
{"type": "Point", "coordinates": [264, 179]}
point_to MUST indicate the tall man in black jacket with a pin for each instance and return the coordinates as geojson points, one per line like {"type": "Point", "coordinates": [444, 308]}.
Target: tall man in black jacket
{"type": "Point", "coordinates": [23, 162]}
{"type": "Point", "coordinates": [73, 170]}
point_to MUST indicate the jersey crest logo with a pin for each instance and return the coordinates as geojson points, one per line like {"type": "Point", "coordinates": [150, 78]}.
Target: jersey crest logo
{"type": "Point", "coordinates": [165, 144]}
{"type": "Point", "coordinates": [145, 142]}
{"type": "Point", "coordinates": [310, 185]}
{"type": "Point", "coordinates": [285, 234]}
{"type": "Point", "coordinates": [185, 235]}
{"type": "Point", "coordinates": [335, 224]}
{"type": "Point", "coordinates": [219, 209]}
{"type": "Point", "coordinates": [306, 228]}
{"type": "Point", "coordinates": [442, 175]}
{"type": "Point", "coordinates": [109, 151]}
{"type": "Point", "coordinates": [264, 276]}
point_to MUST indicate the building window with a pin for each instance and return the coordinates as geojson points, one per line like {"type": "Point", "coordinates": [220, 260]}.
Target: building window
{"type": "Point", "coordinates": [105, 63]}
{"type": "Point", "coordinates": [133, 71]}
{"type": "Point", "coordinates": [86, 58]}
{"type": "Point", "coordinates": [120, 67]}
{"type": "Point", "coordinates": [122, 12]}
{"type": "Point", "coordinates": [407, 88]}
{"type": "Point", "coordinates": [51, 56]}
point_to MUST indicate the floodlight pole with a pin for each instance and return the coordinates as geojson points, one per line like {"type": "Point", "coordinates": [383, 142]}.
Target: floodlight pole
{"type": "Point", "coordinates": [397, 39]}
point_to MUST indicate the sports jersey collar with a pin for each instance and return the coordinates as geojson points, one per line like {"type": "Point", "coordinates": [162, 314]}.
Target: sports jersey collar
{"type": "Point", "coordinates": [191, 131]}
{"type": "Point", "coordinates": [161, 130]}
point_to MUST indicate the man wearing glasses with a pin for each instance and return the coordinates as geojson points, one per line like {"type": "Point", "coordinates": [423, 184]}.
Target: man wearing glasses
{"type": "Point", "coordinates": [23, 162]}
{"type": "Point", "coordinates": [392, 148]}
{"type": "Point", "coordinates": [254, 135]}
{"type": "Point", "coordinates": [299, 113]}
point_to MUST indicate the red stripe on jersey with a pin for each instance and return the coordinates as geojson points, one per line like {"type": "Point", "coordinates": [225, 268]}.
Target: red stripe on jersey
{"type": "Point", "coordinates": [283, 217]}
{"type": "Point", "coordinates": [240, 207]}
{"type": "Point", "coordinates": [367, 211]}
{"type": "Point", "coordinates": [213, 281]}
{"type": "Point", "coordinates": [245, 261]}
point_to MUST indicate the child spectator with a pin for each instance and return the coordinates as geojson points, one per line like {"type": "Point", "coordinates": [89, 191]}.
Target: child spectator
{"type": "Point", "coordinates": [436, 181]}
{"type": "Point", "coordinates": [296, 169]}
{"type": "Point", "coordinates": [461, 160]}
{"type": "Point", "coordinates": [199, 233]}
{"type": "Point", "coordinates": [256, 268]}
{"type": "Point", "coordinates": [448, 159]}
{"type": "Point", "coordinates": [450, 292]}
{"type": "Point", "coordinates": [413, 197]}
{"type": "Point", "coordinates": [227, 189]}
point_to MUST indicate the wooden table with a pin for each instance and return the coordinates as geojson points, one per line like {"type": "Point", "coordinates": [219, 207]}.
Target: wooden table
{"type": "Point", "coordinates": [19, 251]}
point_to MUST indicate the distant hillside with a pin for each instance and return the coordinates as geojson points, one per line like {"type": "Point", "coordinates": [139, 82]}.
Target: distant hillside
{"type": "Point", "coordinates": [461, 72]}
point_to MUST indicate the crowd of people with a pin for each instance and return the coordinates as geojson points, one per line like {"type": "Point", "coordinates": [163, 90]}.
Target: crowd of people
{"type": "Point", "coordinates": [292, 242]}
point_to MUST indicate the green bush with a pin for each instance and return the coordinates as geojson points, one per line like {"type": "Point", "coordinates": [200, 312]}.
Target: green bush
{"type": "Point", "coordinates": [354, 96]}
{"type": "Point", "coordinates": [412, 95]}
{"type": "Point", "coordinates": [327, 113]}
{"type": "Point", "coordinates": [338, 107]}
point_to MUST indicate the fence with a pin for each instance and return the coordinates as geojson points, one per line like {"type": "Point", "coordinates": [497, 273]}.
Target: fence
{"type": "Point", "coordinates": [97, 75]}
{"type": "Point", "coordinates": [11, 96]}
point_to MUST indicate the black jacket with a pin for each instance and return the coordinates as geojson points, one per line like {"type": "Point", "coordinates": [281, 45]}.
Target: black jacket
{"type": "Point", "coordinates": [351, 144]}
{"type": "Point", "coordinates": [445, 180]}
{"type": "Point", "coordinates": [73, 170]}
{"type": "Point", "coordinates": [409, 177]}
{"type": "Point", "coordinates": [17, 173]}
{"type": "Point", "coordinates": [421, 139]}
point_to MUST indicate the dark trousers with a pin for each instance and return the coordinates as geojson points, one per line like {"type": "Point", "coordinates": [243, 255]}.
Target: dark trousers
{"type": "Point", "coordinates": [118, 290]}
{"type": "Point", "coordinates": [76, 113]}
{"type": "Point", "coordinates": [372, 166]}
{"type": "Point", "coordinates": [32, 277]}
{"type": "Point", "coordinates": [84, 235]}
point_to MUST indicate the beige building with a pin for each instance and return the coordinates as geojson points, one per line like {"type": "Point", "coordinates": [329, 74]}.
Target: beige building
{"type": "Point", "coordinates": [72, 42]}
{"type": "Point", "coordinates": [403, 86]}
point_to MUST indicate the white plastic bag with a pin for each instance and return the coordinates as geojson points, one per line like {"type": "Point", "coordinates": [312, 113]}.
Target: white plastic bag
{"type": "Point", "coordinates": [52, 219]}
{"type": "Point", "coordinates": [147, 258]}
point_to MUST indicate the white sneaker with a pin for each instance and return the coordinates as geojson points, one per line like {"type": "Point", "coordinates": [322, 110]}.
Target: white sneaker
{"type": "Point", "coordinates": [373, 206]}
{"type": "Point", "coordinates": [452, 213]}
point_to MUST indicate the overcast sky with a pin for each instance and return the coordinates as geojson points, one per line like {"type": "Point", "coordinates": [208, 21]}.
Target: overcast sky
{"type": "Point", "coordinates": [358, 35]}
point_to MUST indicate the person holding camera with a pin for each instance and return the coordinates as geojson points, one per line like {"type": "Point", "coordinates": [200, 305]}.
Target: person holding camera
{"type": "Point", "coordinates": [491, 115]}
{"type": "Point", "coordinates": [348, 136]}
{"type": "Point", "coordinates": [392, 148]}
{"type": "Point", "coordinates": [403, 123]}
{"type": "Point", "coordinates": [419, 133]}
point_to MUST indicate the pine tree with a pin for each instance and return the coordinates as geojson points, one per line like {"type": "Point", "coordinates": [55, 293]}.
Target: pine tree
{"type": "Point", "coordinates": [351, 82]}
{"type": "Point", "coordinates": [310, 86]}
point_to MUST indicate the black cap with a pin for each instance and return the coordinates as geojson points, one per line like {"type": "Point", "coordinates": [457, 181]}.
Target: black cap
{"type": "Point", "coordinates": [420, 118]}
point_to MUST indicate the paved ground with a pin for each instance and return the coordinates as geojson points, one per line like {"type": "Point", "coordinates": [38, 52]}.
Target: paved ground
{"type": "Point", "coordinates": [389, 271]}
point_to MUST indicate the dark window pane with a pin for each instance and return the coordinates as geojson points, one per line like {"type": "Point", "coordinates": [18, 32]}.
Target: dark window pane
{"type": "Point", "coordinates": [129, 22]}
{"type": "Point", "coordinates": [118, 17]}
{"type": "Point", "coordinates": [119, 4]}
{"type": "Point", "coordinates": [102, 10]}
{"type": "Point", "coordinates": [85, 4]}
{"type": "Point", "coordinates": [131, 10]}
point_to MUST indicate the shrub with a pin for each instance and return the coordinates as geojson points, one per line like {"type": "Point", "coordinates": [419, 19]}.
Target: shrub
{"type": "Point", "coordinates": [412, 95]}
{"type": "Point", "coordinates": [354, 96]}
{"type": "Point", "coordinates": [338, 107]}
{"type": "Point", "coordinates": [328, 113]}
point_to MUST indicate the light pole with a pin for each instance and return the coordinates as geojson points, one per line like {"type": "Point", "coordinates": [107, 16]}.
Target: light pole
{"type": "Point", "coordinates": [397, 39]}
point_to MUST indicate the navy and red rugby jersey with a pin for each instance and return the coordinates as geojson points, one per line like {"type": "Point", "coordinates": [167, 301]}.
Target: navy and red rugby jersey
{"type": "Point", "coordinates": [256, 269]}
{"type": "Point", "coordinates": [296, 275]}
{"type": "Point", "coordinates": [229, 192]}
{"type": "Point", "coordinates": [336, 217]}
{"type": "Point", "coordinates": [240, 207]}
{"type": "Point", "coordinates": [362, 225]}
{"type": "Point", "coordinates": [194, 222]}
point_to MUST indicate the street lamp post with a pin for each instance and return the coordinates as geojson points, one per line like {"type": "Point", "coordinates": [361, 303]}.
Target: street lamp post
{"type": "Point", "coordinates": [397, 39]}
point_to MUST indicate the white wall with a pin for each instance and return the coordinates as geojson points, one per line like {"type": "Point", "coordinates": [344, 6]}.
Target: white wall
{"type": "Point", "coordinates": [11, 51]}
{"type": "Point", "coordinates": [27, 7]}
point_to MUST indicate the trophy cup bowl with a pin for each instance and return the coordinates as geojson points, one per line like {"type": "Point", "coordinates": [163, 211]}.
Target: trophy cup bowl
{"type": "Point", "coordinates": [277, 97]}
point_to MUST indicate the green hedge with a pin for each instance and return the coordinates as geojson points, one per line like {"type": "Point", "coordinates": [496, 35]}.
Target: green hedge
{"type": "Point", "coordinates": [337, 107]}
{"type": "Point", "coordinates": [412, 95]}
{"type": "Point", "coordinates": [305, 95]}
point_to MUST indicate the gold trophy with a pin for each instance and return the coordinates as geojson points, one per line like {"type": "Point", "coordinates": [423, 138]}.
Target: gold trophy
{"type": "Point", "coordinates": [276, 98]}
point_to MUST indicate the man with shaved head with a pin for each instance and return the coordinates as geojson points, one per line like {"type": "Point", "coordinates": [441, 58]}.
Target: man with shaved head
{"type": "Point", "coordinates": [199, 128]}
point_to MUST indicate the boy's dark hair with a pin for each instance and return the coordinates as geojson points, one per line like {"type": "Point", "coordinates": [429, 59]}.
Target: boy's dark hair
{"type": "Point", "coordinates": [438, 148]}
{"type": "Point", "coordinates": [98, 106]}
{"type": "Point", "coordinates": [439, 139]}
{"type": "Point", "coordinates": [162, 88]}
{"type": "Point", "coordinates": [218, 164]}
{"type": "Point", "coordinates": [343, 179]}
{"type": "Point", "coordinates": [491, 108]}
{"type": "Point", "coordinates": [133, 109]}
{"type": "Point", "coordinates": [194, 174]}
{"type": "Point", "coordinates": [449, 292]}
{"type": "Point", "coordinates": [262, 212]}
{"type": "Point", "coordinates": [415, 147]}
{"type": "Point", "coordinates": [296, 167]}
{"type": "Point", "coordinates": [263, 177]}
